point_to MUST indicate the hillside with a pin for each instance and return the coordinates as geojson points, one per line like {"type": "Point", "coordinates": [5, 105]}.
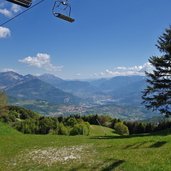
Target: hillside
{"type": "Point", "coordinates": [36, 89]}
{"type": "Point", "coordinates": [6, 130]}
{"type": "Point", "coordinates": [121, 90]}
{"type": "Point", "coordinates": [29, 87]}
{"type": "Point", "coordinates": [50, 95]}
{"type": "Point", "coordinates": [9, 79]}
{"type": "Point", "coordinates": [95, 152]}
{"type": "Point", "coordinates": [124, 90]}
{"type": "Point", "coordinates": [81, 89]}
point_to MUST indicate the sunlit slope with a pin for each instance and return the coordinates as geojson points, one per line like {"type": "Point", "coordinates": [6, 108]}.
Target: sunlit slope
{"type": "Point", "coordinates": [103, 150]}
{"type": "Point", "coordinates": [96, 130]}
{"type": "Point", "coordinates": [7, 130]}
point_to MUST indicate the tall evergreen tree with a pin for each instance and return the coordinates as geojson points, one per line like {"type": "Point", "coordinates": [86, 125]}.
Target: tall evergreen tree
{"type": "Point", "coordinates": [157, 95]}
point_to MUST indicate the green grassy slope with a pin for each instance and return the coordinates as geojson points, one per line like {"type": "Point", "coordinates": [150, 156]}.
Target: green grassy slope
{"type": "Point", "coordinates": [96, 130]}
{"type": "Point", "coordinates": [7, 130]}
{"type": "Point", "coordinates": [95, 152]}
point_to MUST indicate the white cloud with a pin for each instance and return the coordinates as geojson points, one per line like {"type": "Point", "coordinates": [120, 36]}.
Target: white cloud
{"type": "Point", "coordinates": [147, 67]}
{"type": "Point", "coordinates": [4, 32]}
{"type": "Point", "coordinates": [15, 8]}
{"type": "Point", "coordinates": [6, 12]}
{"type": "Point", "coordinates": [9, 12]}
{"type": "Point", "coordinates": [8, 69]}
{"type": "Point", "coordinates": [126, 71]}
{"type": "Point", "coordinates": [41, 60]}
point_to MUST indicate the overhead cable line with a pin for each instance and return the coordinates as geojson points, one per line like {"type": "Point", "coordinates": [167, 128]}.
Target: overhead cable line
{"type": "Point", "coordinates": [7, 21]}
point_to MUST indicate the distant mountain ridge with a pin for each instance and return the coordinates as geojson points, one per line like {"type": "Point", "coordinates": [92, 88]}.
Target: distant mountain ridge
{"type": "Point", "coordinates": [121, 89]}
{"type": "Point", "coordinates": [51, 79]}
{"type": "Point", "coordinates": [82, 89]}
{"type": "Point", "coordinates": [116, 83]}
{"type": "Point", "coordinates": [124, 89]}
{"type": "Point", "coordinates": [117, 96]}
{"type": "Point", "coordinates": [31, 87]}
{"type": "Point", "coordinates": [8, 79]}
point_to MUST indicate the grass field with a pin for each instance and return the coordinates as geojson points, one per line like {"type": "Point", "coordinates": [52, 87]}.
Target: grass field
{"type": "Point", "coordinates": [103, 150]}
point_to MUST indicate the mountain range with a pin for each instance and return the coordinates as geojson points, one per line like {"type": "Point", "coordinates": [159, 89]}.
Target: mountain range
{"type": "Point", "coordinates": [47, 93]}
{"type": "Point", "coordinates": [121, 89]}
{"type": "Point", "coordinates": [32, 88]}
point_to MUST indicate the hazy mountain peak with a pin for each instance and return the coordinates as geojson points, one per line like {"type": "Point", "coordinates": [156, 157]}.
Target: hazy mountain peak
{"type": "Point", "coordinates": [11, 75]}
{"type": "Point", "coordinates": [51, 79]}
{"type": "Point", "coordinates": [9, 78]}
{"type": "Point", "coordinates": [49, 76]}
{"type": "Point", "coordinates": [29, 77]}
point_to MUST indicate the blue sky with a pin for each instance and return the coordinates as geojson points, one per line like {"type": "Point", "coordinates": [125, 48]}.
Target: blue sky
{"type": "Point", "coordinates": [108, 38]}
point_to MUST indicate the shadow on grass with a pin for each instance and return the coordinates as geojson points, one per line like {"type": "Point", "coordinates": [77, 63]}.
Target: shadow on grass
{"type": "Point", "coordinates": [158, 144]}
{"type": "Point", "coordinates": [109, 137]}
{"type": "Point", "coordinates": [145, 144]}
{"type": "Point", "coordinates": [78, 168]}
{"type": "Point", "coordinates": [161, 133]}
{"type": "Point", "coordinates": [113, 166]}
{"type": "Point", "coordinates": [137, 145]}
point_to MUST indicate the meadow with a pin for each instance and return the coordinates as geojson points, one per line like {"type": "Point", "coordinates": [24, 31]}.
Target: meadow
{"type": "Point", "coordinates": [102, 150]}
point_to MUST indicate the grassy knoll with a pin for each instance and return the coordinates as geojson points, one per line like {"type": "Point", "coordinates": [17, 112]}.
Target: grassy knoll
{"type": "Point", "coordinates": [103, 150]}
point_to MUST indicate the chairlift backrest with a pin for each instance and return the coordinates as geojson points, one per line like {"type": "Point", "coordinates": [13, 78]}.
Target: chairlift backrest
{"type": "Point", "coordinates": [24, 3]}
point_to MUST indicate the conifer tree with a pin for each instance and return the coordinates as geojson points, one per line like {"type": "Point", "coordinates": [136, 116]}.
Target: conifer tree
{"type": "Point", "coordinates": [157, 95]}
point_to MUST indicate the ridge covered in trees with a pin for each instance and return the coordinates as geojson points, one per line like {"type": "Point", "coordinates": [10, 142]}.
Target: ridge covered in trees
{"type": "Point", "coordinates": [29, 122]}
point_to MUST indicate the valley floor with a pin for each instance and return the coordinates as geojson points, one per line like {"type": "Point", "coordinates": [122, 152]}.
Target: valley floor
{"type": "Point", "coordinates": [101, 151]}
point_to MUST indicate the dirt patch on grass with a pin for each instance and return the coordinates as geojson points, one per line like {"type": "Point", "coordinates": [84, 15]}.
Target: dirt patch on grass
{"type": "Point", "coordinates": [49, 156]}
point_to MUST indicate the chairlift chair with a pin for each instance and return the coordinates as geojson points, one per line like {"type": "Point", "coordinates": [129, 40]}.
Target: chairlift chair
{"type": "Point", "coordinates": [65, 13]}
{"type": "Point", "coordinates": [24, 3]}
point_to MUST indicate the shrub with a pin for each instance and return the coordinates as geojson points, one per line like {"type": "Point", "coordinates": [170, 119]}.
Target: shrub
{"type": "Point", "coordinates": [71, 122]}
{"type": "Point", "coordinates": [121, 129]}
{"type": "Point", "coordinates": [62, 129]}
{"type": "Point", "coordinates": [86, 128]}
{"type": "Point", "coordinates": [3, 104]}
{"type": "Point", "coordinates": [45, 125]}
{"type": "Point", "coordinates": [77, 130]}
{"type": "Point", "coordinates": [80, 129]}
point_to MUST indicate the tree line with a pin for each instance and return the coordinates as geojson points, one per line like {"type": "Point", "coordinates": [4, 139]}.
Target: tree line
{"type": "Point", "coordinates": [29, 122]}
{"type": "Point", "coordinates": [128, 127]}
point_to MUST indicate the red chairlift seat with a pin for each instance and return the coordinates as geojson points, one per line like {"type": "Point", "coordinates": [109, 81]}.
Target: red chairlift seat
{"type": "Point", "coordinates": [24, 3]}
